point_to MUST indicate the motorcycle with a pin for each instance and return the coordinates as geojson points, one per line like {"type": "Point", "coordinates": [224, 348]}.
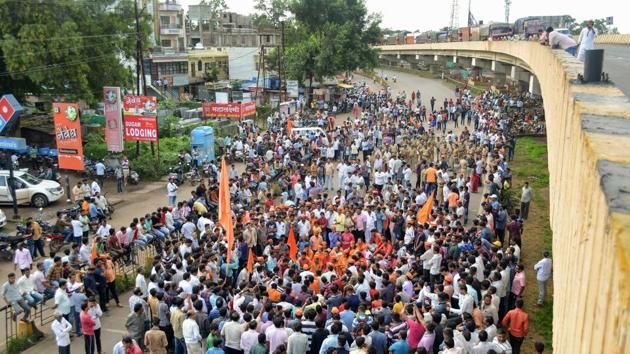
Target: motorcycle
{"type": "Point", "coordinates": [193, 176]}
{"type": "Point", "coordinates": [8, 243]}
{"type": "Point", "coordinates": [134, 177]}
{"type": "Point", "coordinates": [55, 240]}
{"type": "Point", "coordinates": [177, 174]}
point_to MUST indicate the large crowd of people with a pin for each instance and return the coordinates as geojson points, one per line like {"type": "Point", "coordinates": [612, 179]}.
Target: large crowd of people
{"type": "Point", "coordinates": [366, 239]}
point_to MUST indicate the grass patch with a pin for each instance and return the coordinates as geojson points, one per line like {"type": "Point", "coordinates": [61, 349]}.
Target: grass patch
{"type": "Point", "coordinates": [530, 165]}
{"type": "Point", "coordinates": [20, 344]}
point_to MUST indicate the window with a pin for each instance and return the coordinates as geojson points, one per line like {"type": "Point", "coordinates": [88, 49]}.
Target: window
{"type": "Point", "coordinates": [166, 43]}
{"type": "Point", "coordinates": [165, 20]}
{"type": "Point", "coordinates": [267, 38]}
{"type": "Point", "coordinates": [199, 65]}
{"type": "Point", "coordinates": [3, 181]}
{"type": "Point", "coordinates": [173, 68]}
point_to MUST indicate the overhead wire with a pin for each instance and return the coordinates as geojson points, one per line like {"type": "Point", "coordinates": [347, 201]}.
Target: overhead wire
{"type": "Point", "coordinates": [70, 48]}
{"type": "Point", "coordinates": [54, 66]}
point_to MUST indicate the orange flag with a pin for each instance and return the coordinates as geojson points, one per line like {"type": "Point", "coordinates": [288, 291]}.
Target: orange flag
{"type": "Point", "coordinates": [94, 254]}
{"type": "Point", "coordinates": [293, 248]}
{"type": "Point", "coordinates": [225, 211]}
{"type": "Point", "coordinates": [245, 219]}
{"type": "Point", "coordinates": [425, 211]}
{"type": "Point", "coordinates": [289, 126]}
{"type": "Point", "coordinates": [250, 261]}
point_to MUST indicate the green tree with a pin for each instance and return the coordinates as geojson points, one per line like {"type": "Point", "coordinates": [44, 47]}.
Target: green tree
{"type": "Point", "coordinates": [67, 48]}
{"type": "Point", "coordinates": [270, 12]}
{"type": "Point", "coordinates": [327, 37]}
{"type": "Point", "coordinates": [216, 8]}
{"type": "Point", "coordinates": [600, 24]}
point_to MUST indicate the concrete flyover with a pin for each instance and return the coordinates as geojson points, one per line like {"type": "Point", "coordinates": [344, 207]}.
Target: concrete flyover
{"type": "Point", "coordinates": [588, 135]}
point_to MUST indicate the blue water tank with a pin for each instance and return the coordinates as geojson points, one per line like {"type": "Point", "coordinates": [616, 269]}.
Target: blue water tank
{"type": "Point", "coordinates": [203, 139]}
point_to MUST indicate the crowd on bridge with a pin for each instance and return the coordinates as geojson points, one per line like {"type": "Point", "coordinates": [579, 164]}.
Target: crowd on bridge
{"type": "Point", "coordinates": [364, 239]}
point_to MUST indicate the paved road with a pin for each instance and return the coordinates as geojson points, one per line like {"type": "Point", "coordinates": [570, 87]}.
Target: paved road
{"type": "Point", "coordinates": [617, 65]}
{"type": "Point", "coordinates": [147, 199]}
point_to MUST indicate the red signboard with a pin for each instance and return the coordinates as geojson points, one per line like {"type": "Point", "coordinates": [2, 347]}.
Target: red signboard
{"type": "Point", "coordinates": [140, 118]}
{"type": "Point", "coordinates": [113, 119]}
{"type": "Point", "coordinates": [68, 136]}
{"type": "Point", "coordinates": [229, 110]}
{"type": "Point", "coordinates": [248, 109]}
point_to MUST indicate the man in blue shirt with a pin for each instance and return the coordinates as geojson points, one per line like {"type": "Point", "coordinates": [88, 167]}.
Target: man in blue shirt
{"type": "Point", "coordinates": [400, 346]}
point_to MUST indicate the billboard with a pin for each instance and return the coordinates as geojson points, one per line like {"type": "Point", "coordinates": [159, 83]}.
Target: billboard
{"type": "Point", "coordinates": [293, 88]}
{"type": "Point", "coordinates": [140, 118]}
{"type": "Point", "coordinates": [10, 110]}
{"type": "Point", "coordinates": [68, 136]}
{"type": "Point", "coordinates": [229, 110]}
{"type": "Point", "coordinates": [113, 119]}
{"type": "Point", "coordinates": [248, 109]}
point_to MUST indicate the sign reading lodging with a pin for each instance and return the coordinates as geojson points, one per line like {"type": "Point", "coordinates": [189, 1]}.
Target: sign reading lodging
{"type": "Point", "coordinates": [229, 110]}
{"type": "Point", "coordinates": [113, 119]}
{"type": "Point", "coordinates": [140, 118]}
{"type": "Point", "coordinates": [68, 136]}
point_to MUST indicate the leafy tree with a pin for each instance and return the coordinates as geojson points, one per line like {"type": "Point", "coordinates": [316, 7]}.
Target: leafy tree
{"type": "Point", "coordinates": [327, 37]}
{"type": "Point", "coordinates": [600, 24]}
{"type": "Point", "coordinates": [216, 7]}
{"type": "Point", "coordinates": [270, 12]}
{"type": "Point", "coordinates": [66, 47]}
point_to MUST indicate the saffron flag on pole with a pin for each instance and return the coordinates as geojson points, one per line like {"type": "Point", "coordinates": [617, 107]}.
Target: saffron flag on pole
{"type": "Point", "coordinates": [425, 211]}
{"type": "Point", "coordinates": [250, 261]}
{"type": "Point", "coordinates": [289, 126]}
{"type": "Point", "coordinates": [293, 248]}
{"type": "Point", "coordinates": [94, 253]}
{"type": "Point", "coordinates": [225, 211]}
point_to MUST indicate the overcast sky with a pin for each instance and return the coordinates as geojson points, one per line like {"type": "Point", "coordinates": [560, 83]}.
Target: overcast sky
{"type": "Point", "coordinates": [433, 14]}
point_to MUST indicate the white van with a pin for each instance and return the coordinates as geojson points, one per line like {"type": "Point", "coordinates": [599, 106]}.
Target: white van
{"type": "Point", "coordinates": [312, 132]}
{"type": "Point", "coordinates": [29, 189]}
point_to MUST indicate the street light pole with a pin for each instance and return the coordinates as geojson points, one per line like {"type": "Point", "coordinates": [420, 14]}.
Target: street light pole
{"type": "Point", "coordinates": [11, 185]}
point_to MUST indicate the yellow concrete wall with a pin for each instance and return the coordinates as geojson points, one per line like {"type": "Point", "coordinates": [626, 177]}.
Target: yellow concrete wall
{"type": "Point", "coordinates": [590, 211]}
{"type": "Point", "coordinates": [613, 39]}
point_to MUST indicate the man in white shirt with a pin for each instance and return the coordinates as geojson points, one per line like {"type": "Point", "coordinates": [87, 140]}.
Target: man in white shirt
{"type": "Point", "coordinates": [171, 191]}
{"type": "Point", "coordinates": [61, 328]}
{"type": "Point", "coordinates": [557, 39]}
{"type": "Point", "coordinates": [543, 273]}
{"type": "Point", "coordinates": [22, 258]}
{"type": "Point", "coordinates": [95, 188]}
{"type": "Point", "coordinates": [77, 229]}
{"type": "Point", "coordinates": [192, 337]}
{"type": "Point", "coordinates": [62, 301]}
{"type": "Point", "coordinates": [26, 286]}
{"type": "Point", "coordinates": [587, 39]}
{"type": "Point", "coordinates": [466, 302]}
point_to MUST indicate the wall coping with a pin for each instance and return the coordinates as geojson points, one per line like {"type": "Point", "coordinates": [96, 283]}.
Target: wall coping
{"type": "Point", "coordinates": [589, 163]}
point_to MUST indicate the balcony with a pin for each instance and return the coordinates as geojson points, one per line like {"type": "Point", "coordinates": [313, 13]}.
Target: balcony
{"type": "Point", "coordinates": [171, 29]}
{"type": "Point", "coordinates": [170, 7]}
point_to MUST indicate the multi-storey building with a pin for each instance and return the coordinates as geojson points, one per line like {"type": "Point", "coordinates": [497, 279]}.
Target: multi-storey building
{"type": "Point", "coordinates": [227, 29]}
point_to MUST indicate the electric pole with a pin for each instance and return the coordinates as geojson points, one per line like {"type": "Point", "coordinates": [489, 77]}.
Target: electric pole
{"type": "Point", "coordinates": [138, 54]}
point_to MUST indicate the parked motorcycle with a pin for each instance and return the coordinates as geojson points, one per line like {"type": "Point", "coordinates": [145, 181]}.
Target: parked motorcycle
{"type": "Point", "coordinates": [193, 176]}
{"type": "Point", "coordinates": [8, 244]}
{"type": "Point", "coordinates": [134, 177]}
{"type": "Point", "coordinates": [177, 174]}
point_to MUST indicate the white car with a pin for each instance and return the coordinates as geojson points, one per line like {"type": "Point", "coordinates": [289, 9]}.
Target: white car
{"type": "Point", "coordinates": [29, 189]}
{"type": "Point", "coordinates": [3, 219]}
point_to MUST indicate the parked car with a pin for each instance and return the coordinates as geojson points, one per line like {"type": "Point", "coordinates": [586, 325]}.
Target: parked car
{"type": "Point", "coordinates": [29, 189]}
{"type": "Point", "coordinates": [3, 219]}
